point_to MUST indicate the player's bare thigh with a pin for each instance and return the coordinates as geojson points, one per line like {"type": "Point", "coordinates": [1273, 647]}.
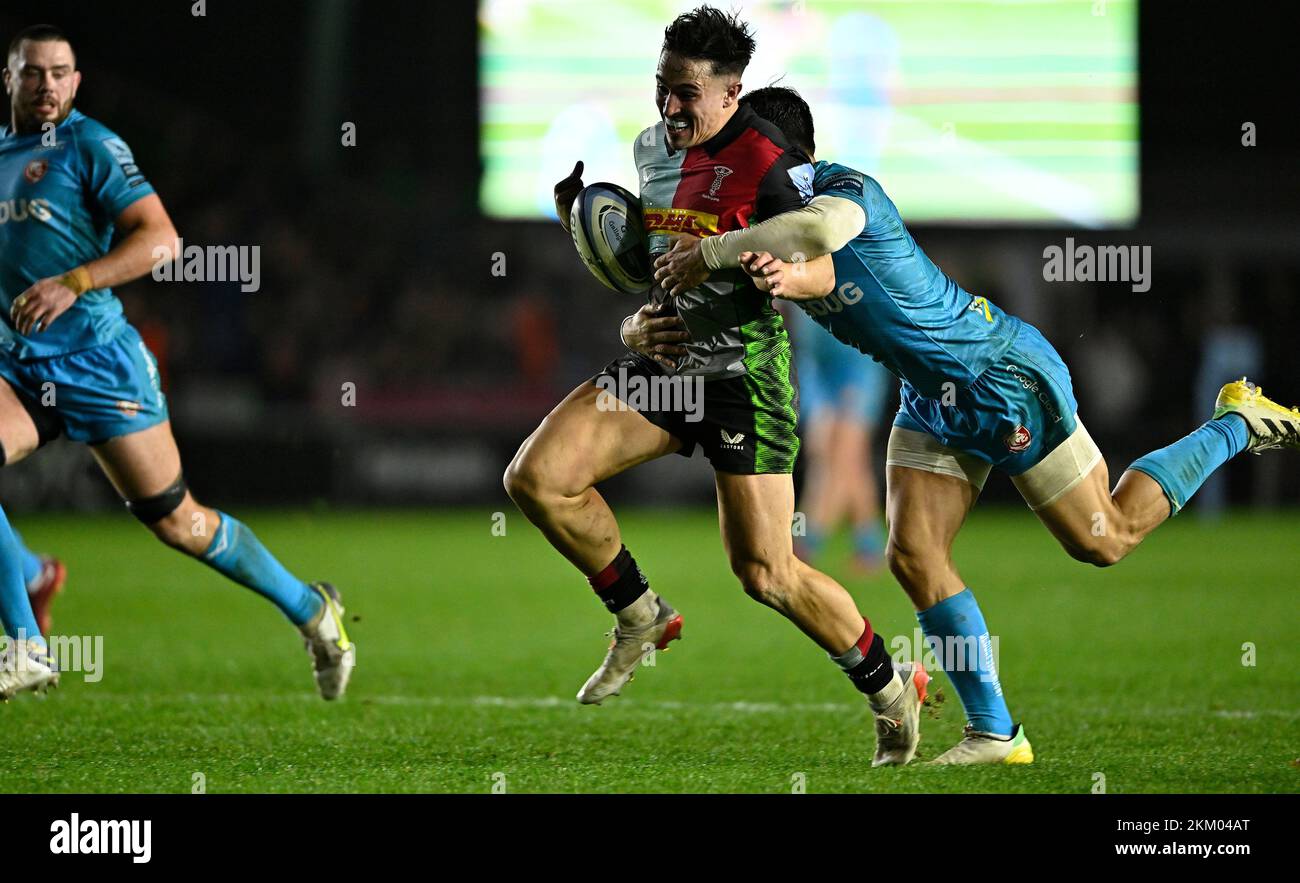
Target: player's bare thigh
{"type": "Point", "coordinates": [141, 464]}
{"type": "Point", "coordinates": [925, 511]}
{"type": "Point", "coordinates": [583, 441]}
{"type": "Point", "coordinates": [144, 464]}
{"type": "Point", "coordinates": [754, 516]}
{"type": "Point", "coordinates": [18, 433]}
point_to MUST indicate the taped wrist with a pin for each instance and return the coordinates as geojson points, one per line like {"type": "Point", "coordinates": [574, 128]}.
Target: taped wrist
{"type": "Point", "coordinates": [79, 280]}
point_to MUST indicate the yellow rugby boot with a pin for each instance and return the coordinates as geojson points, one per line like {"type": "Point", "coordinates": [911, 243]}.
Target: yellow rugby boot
{"type": "Point", "coordinates": [1271, 425]}
{"type": "Point", "coordinates": [976, 747]}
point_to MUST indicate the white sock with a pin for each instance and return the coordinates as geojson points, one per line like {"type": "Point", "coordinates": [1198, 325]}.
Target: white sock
{"type": "Point", "coordinates": [889, 695]}
{"type": "Point", "coordinates": [640, 612]}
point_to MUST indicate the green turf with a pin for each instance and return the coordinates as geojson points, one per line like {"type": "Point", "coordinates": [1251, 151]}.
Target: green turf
{"type": "Point", "coordinates": [471, 647]}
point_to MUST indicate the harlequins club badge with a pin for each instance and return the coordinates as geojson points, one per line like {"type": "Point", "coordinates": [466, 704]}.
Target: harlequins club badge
{"type": "Point", "coordinates": [36, 170]}
{"type": "Point", "coordinates": [1019, 439]}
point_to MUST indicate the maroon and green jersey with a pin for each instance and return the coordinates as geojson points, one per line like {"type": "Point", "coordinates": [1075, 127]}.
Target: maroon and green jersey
{"type": "Point", "coordinates": [744, 174]}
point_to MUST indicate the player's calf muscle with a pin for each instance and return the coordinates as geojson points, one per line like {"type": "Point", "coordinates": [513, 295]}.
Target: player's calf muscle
{"type": "Point", "coordinates": [817, 604]}
{"type": "Point", "coordinates": [188, 528]}
{"type": "Point", "coordinates": [766, 581]}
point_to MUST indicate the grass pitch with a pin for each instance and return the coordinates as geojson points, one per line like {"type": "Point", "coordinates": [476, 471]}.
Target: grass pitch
{"type": "Point", "coordinates": [471, 646]}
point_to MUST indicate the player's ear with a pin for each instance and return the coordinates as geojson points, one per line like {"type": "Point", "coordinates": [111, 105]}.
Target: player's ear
{"type": "Point", "coordinates": [732, 95]}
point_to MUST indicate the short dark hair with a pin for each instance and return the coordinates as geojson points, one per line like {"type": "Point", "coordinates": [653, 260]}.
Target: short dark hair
{"type": "Point", "coordinates": [37, 34]}
{"type": "Point", "coordinates": [784, 108]}
{"type": "Point", "coordinates": [712, 35]}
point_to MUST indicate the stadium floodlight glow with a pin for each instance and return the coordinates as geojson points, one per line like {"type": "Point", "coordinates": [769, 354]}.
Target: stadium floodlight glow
{"type": "Point", "coordinates": [968, 111]}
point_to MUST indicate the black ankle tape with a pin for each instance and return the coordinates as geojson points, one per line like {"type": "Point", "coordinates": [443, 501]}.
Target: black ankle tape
{"type": "Point", "coordinates": [621, 584]}
{"type": "Point", "coordinates": [876, 669]}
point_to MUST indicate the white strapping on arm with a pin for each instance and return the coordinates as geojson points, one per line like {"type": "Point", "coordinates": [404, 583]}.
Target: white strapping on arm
{"type": "Point", "coordinates": [823, 226]}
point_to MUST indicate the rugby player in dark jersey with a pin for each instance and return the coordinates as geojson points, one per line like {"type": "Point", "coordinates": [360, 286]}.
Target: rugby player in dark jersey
{"type": "Point", "coordinates": [707, 167]}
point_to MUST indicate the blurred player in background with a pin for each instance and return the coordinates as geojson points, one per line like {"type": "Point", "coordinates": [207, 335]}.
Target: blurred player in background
{"type": "Point", "coordinates": [708, 165]}
{"type": "Point", "coordinates": [980, 389]}
{"type": "Point", "coordinates": [841, 401]}
{"type": "Point", "coordinates": [841, 398]}
{"type": "Point", "coordinates": [70, 362]}
{"type": "Point", "coordinates": [44, 576]}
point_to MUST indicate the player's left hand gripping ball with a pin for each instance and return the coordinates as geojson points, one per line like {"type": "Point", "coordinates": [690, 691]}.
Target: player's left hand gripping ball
{"type": "Point", "coordinates": [38, 306]}
{"type": "Point", "coordinates": [682, 267]}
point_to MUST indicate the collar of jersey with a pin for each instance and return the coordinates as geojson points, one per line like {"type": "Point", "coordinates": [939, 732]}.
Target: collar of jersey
{"type": "Point", "coordinates": [71, 118]}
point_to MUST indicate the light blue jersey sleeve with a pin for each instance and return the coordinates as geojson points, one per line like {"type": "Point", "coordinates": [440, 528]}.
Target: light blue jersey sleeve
{"type": "Point", "coordinates": [830, 179]}
{"type": "Point", "coordinates": [113, 181]}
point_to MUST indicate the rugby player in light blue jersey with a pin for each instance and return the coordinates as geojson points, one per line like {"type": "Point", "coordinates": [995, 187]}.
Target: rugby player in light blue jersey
{"type": "Point", "coordinates": [980, 389]}
{"type": "Point", "coordinates": [71, 363]}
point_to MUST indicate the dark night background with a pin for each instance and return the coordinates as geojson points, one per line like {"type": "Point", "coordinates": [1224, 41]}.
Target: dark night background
{"type": "Point", "coordinates": [376, 263]}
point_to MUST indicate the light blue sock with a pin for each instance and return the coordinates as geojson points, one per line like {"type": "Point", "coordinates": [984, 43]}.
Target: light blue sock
{"type": "Point", "coordinates": [15, 604]}
{"type": "Point", "coordinates": [955, 631]}
{"type": "Point", "coordinates": [237, 554]}
{"type": "Point", "coordinates": [31, 561]}
{"type": "Point", "coordinates": [1182, 467]}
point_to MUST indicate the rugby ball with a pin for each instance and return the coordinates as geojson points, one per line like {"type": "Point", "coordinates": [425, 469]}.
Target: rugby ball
{"type": "Point", "coordinates": [608, 233]}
